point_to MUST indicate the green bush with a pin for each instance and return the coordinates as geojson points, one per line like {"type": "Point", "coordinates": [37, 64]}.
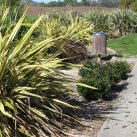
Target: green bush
{"type": "Point", "coordinates": [119, 70]}
{"type": "Point", "coordinates": [12, 16]}
{"type": "Point", "coordinates": [134, 6]}
{"type": "Point", "coordinates": [102, 76]}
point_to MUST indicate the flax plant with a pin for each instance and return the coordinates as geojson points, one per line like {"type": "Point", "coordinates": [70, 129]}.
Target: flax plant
{"type": "Point", "coordinates": [125, 21]}
{"type": "Point", "coordinates": [11, 18]}
{"type": "Point", "coordinates": [31, 85]}
{"type": "Point", "coordinates": [76, 32]}
{"type": "Point", "coordinates": [102, 22]}
{"type": "Point", "coordinates": [73, 27]}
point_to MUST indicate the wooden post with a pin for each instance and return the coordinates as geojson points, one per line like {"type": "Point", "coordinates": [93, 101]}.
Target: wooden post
{"type": "Point", "coordinates": [99, 45]}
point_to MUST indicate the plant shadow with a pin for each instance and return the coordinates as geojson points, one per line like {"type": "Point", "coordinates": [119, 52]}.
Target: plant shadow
{"type": "Point", "coordinates": [95, 109]}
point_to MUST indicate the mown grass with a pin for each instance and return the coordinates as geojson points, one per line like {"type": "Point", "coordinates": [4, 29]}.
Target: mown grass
{"type": "Point", "coordinates": [126, 45]}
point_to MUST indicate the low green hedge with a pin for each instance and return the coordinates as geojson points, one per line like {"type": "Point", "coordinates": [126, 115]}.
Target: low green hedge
{"type": "Point", "coordinates": [102, 76]}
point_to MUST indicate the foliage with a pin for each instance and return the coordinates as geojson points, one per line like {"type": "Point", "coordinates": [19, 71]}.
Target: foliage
{"type": "Point", "coordinates": [120, 70]}
{"type": "Point", "coordinates": [31, 85]}
{"type": "Point", "coordinates": [55, 4]}
{"type": "Point", "coordinates": [85, 2]}
{"type": "Point", "coordinates": [11, 18]}
{"type": "Point", "coordinates": [106, 24]}
{"type": "Point", "coordinates": [25, 2]}
{"type": "Point", "coordinates": [115, 24]}
{"type": "Point", "coordinates": [71, 25]}
{"type": "Point", "coordinates": [126, 3]}
{"type": "Point", "coordinates": [10, 2]}
{"type": "Point", "coordinates": [122, 22]}
{"type": "Point", "coordinates": [101, 76]}
{"type": "Point", "coordinates": [105, 3]}
{"type": "Point", "coordinates": [134, 6]}
{"type": "Point", "coordinates": [125, 21]}
{"type": "Point", "coordinates": [110, 3]}
{"type": "Point", "coordinates": [75, 29]}
{"type": "Point", "coordinates": [70, 2]}
{"type": "Point", "coordinates": [94, 74]}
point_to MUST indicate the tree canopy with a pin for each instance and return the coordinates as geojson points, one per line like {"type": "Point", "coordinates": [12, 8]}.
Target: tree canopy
{"type": "Point", "coordinates": [10, 2]}
{"type": "Point", "coordinates": [127, 3]}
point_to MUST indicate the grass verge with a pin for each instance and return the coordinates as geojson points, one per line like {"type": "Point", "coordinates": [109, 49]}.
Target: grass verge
{"type": "Point", "coordinates": [126, 45]}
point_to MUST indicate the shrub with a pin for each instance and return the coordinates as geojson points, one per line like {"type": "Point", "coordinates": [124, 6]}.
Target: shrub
{"type": "Point", "coordinates": [11, 17]}
{"type": "Point", "coordinates": [125, 21]}
{"type": "Point", "coordinates": [134, 6]}
{"type": "Point", "coordinates": [119, 22]}
{"type": "Point", "coordinates": [94, 74]}
{"type": "Point", "coordinates": [106, 24]}
{"type": "Point", "coordinates": [120, 70]}
{"type": "Point", "coordinates": [102, 76]}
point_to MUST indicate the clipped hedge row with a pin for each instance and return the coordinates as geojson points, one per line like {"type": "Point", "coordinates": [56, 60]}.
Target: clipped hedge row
{"type": "Point", "coordinates": [102, 76]}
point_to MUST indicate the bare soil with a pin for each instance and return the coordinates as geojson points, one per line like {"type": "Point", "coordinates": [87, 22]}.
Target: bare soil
{"type": "Point", "coordinates": [91, 115]}
{"type": "Point", "coordinates": [35, 11]}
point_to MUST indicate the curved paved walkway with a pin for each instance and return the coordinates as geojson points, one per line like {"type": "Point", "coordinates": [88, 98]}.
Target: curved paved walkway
{"type": "Point", "coordinates": [122, 121]}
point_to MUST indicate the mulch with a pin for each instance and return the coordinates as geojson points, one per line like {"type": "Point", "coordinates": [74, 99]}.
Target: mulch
{"type": "Point", "coordinates": [91, 115]}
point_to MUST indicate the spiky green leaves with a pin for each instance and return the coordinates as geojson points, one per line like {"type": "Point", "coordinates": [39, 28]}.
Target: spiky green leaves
{"type": "Point", "coordinates": [30, 83]}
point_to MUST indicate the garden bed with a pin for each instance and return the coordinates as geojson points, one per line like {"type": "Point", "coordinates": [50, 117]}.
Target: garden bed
{"type": "Point", "coordinates": [92, 114]}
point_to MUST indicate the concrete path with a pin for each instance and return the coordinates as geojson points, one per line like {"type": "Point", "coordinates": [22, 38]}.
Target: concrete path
{"type": "Point", "coordinates": [122, 121]}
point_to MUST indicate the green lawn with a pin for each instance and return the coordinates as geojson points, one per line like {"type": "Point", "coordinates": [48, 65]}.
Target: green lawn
{"type": "Point", "coordinates": [126, 45]}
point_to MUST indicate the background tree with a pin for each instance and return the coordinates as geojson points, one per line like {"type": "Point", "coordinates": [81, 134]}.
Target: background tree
{"type": "Point", "coordinates": [70, 2]}
{"type": "Point", "coordinates": [67, 2]}
{"type": "Point", "coordinates": [55, 4]}
{"type": "Point", "coordinates": [134, 6]}
{"type": "Point", "coordinates": [126, 3]}
{"type": "Point", "coordinates": [11, 2]}
{"type": "Point", "coordinates": [85, 2]}
{"type": "Point", "coordinates": [25, 2]}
